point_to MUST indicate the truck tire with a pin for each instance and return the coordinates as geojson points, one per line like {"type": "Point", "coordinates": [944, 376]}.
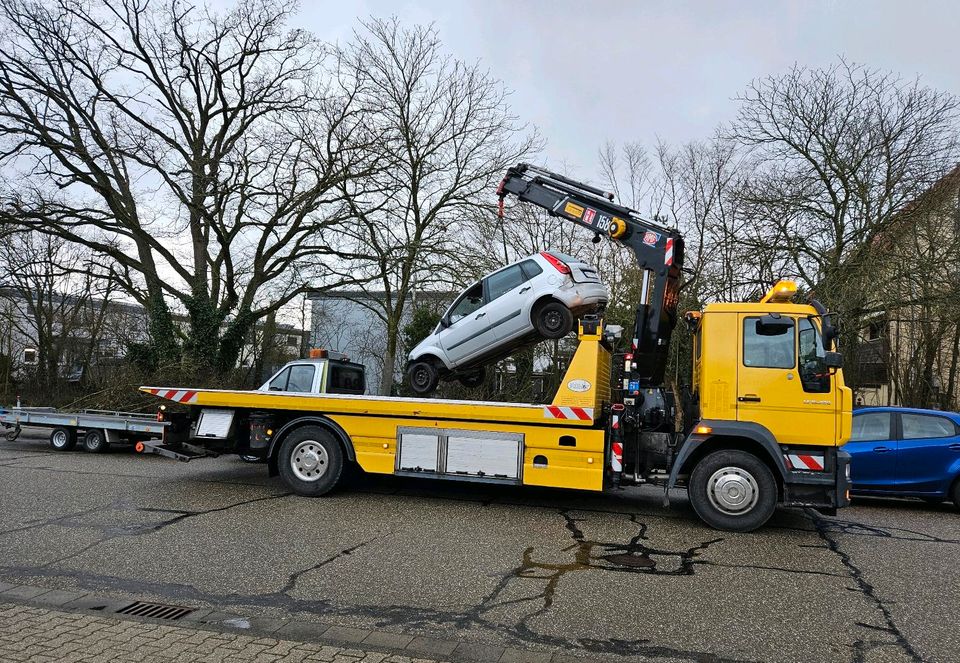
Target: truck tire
{"type": "Point", "coordinates": [423, 377]}
{"type": "Point", "coordinates": [63, 439]}
{"type": "Point", "coordinates": [310, 461]}
{"type": "Point", "coordinates": [553, 320]}
{"type": "Point", "coordinates": [733, 491]}
{"type": "Point", "coordinates": [95, 441]}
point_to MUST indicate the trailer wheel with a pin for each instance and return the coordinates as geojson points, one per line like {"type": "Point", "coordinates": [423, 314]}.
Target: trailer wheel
{"type": "Point", "coordinates": [553, 320]}
{"type": "Point", "coordinates": [311, 461]}
{"type": "Point", "coordinates": [95, 441]}
{"type": "Point", "coordinates": [733, 490]}
{"type": "Point", "coordinates": [63, 439]}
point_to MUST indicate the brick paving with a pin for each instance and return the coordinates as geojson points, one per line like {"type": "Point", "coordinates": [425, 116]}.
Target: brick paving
{"type": "Point", "coordinates": [31, 634]}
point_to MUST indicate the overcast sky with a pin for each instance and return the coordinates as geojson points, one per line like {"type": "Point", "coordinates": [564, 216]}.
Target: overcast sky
{"type": "Point", "coordinates": [590, 71]}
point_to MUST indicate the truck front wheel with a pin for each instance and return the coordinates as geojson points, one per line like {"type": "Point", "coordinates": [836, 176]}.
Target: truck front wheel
{"type": "Point", "coordinates": [733, 490]}
{"type": "Point", "coordinates": [310, 461]}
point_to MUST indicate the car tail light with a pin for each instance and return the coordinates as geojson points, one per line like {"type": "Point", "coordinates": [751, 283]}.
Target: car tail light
{"type": "Point", "coordinates": [556, 262]}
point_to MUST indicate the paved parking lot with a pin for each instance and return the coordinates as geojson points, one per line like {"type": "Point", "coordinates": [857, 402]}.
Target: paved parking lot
{"type": "Point", "coordinates": [604, 577]}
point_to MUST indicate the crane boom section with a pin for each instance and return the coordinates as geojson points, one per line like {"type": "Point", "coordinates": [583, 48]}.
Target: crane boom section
{"type": "Point", "coordinates": [658, 251]}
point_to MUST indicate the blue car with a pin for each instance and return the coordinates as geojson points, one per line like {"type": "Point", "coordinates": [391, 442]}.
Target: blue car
{"type": "Point", "coordinates": [905, 452]}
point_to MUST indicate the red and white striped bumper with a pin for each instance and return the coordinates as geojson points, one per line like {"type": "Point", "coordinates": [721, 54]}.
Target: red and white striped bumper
{"type": "Point", "coordinates": [176, 395]}
{"type": "Point", "coordinates": [565, 412]}
{"type": "Point", "coordinates": [807, 462]}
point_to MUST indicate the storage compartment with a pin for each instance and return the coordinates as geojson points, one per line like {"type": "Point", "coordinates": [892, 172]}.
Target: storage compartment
{"type": "Point", "coordinates": [418, 451]}
{"type": "Point", "coordinates": [214, 423]}
{"type": "Point", "coordinates": [464, 454]}
{"type": "Point", "coordinates": [480, 455]}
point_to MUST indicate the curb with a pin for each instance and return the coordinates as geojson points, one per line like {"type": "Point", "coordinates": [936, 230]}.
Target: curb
{"type": "Point", "coordinates": [387, 642]}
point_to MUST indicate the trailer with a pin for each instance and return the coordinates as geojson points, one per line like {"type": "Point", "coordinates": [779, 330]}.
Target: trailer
{"type": "Point", "coordinates": [97, 430]}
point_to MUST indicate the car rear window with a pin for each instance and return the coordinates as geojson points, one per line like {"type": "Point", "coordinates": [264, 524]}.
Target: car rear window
{"type": "Point", "coordinates": [871, 427]}
{"type": "Point", "coordinates": [345, 380]}
{"type": "Point", "coordinates": [919, 426]}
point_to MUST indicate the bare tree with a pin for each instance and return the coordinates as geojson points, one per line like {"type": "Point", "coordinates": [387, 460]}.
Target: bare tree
{"type": "Point", "coordinates": [201, 152]}
{"type": "Point", "coordinates": [57, 296]}
{"type": "Point", "coordinates": [836, 154]}
{"type": "Point", "coordinates": [444, 135]}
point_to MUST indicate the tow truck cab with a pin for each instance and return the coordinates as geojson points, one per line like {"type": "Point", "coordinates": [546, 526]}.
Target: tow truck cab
{"type": "Point", "coordinates": [248, 431]}
{"type": "Point", "coordinates": [766, 379]}
{"type": "Point", "coordinates": [323, 373]}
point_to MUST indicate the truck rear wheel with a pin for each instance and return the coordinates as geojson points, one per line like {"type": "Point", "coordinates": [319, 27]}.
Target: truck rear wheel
{"type": "Point", "coordinates": [733, 490]}
{"type": "Point", "coordinates": [311, 461]}
{"type": "Point", "coordinates": [63, 439]}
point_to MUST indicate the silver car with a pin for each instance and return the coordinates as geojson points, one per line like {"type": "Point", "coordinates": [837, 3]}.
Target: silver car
{"type": "Point", "coordinates": [537, 297]}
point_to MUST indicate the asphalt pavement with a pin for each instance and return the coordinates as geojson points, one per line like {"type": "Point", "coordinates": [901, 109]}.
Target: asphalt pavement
{"type": "Point", "coordinates": [604, 577]}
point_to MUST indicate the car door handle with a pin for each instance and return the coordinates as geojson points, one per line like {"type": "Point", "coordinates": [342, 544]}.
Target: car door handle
{"type": "Point", "coordinates": [479, 315]}
{"type": "Point", "coordinates": [881, 450]}
{"type": "Point", "coordinates": [749, 398]}
{"type": "Point", "coordinates": [954, 447]}
{"type": "Point", "coordinates": [523, 290]}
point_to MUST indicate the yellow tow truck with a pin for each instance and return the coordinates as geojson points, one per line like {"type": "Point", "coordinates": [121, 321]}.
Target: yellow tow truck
{"type": "Point", "coordinates": [763, 425]}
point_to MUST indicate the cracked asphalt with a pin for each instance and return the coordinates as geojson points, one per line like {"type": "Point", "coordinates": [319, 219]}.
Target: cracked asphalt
{"type": "Point", "coordinates": [612, 576]}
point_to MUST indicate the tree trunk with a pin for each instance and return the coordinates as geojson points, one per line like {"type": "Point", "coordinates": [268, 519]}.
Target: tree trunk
{"type": "Point", "coordinates": [390, 355]}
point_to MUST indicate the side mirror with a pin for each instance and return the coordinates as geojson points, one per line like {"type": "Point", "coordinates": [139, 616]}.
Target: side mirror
{"type": "Point", "coordinates": [833, 360]}
{"type": "Point", "coordinates": [774, 325]}
{"type": "Point", "coordinates": [445, 321]}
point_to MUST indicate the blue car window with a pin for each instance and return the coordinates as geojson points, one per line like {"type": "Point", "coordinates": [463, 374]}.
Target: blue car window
{"type": "Point", "coordinates": [919, 426]}
{"type": "Point", "coordinates": [871, 426]}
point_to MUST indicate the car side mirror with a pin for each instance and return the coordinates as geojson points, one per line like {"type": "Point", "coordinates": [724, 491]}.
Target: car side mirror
{"type": "Point", "coordinates": [833, 360]}
{"type": "Point", "coordinates": [445, 321]}
{"type": "Point", "coordinates": [774, 325]}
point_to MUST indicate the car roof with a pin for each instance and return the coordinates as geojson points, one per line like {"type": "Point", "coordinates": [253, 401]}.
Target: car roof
{"type": "Point", "coordinates": [909, 410]}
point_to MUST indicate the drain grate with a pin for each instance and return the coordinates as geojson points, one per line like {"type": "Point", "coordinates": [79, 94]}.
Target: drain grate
{"type": "Point", "coordinates": [155, 610]}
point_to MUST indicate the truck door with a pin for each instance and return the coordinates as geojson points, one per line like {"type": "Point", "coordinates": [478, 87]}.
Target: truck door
{"type": "Point", "coordinates": [794, 399]}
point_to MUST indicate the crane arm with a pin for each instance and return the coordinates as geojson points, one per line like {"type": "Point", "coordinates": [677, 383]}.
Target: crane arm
{"type": "Point", "coordinates": [658, 251]}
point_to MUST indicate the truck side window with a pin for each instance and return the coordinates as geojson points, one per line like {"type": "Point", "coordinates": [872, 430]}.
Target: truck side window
{"type": "Point", "coordinates": [814, 375]}
{"type": "Point", "coordinates": [469, 301]}
{"type": "Point", "coordinates": [767, 351]}
{"type": "Point", "coordinates": [301, 378]}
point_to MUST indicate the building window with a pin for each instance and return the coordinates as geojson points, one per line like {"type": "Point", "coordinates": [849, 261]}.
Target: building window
{"type": "Point", "coordinates": [30, 356]}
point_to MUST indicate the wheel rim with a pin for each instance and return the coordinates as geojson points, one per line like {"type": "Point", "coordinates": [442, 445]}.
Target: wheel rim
{"type": "Point", "coordinates": [733, 491]}
{"type": "Point", "coordinates": [552, 320]}
{"type": "Point", "coordinates": [421, 377]}
{"type": "Point", "coordinates": [60, 438]}
{"type": "Point", "coordinates": [309, 460]}
{"type": "Point", "coordinates": [93, 440]}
